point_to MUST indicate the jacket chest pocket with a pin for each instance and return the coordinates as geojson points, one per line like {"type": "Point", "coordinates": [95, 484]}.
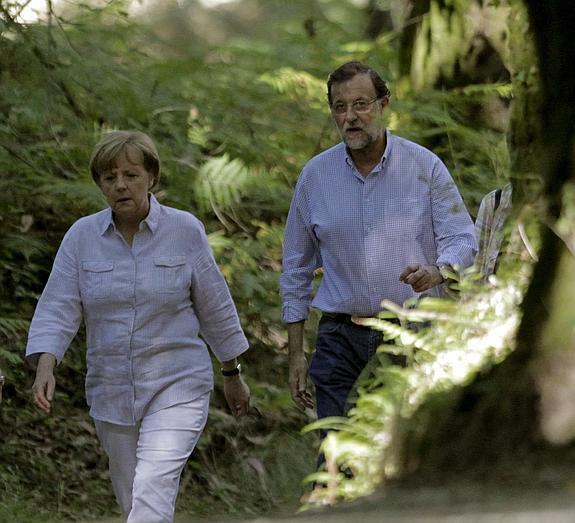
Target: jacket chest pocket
{"type": "Point", "coordinates": [169, 274]}
{"type": "Point", "coordinates": [97, 279]}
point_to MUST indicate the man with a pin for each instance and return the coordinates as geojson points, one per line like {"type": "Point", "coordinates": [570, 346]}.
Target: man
{"type": "Point", "coordinates": [383, 218]}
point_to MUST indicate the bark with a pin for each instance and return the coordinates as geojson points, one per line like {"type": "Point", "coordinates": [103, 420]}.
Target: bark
{"type": "Point", "coordinates": [409, 35]}
{"type": "Point", "coordinates": [492, 425]}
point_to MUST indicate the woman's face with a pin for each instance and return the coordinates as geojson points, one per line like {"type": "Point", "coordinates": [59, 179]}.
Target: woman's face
{"type": "Point", "coordinates": [126, 187]}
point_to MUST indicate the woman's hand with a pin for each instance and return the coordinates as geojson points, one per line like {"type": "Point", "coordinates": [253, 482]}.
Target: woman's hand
{"type": "Point", "coordinates": [45, 383]}
{"type": "Point", "coordinates": [237, 395]}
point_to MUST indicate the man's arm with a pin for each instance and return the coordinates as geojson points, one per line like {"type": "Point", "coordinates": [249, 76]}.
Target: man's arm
{"type": "Point", "coordinates": [454, 234]}
{"type": "Point", "coordinates": [298, 366]}
{"type": "Point", "coordinates": [452, 225]}
{"type": "Point", "coordinates": [300, 259]}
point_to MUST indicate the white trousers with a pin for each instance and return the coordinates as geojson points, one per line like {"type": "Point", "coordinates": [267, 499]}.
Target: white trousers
{"type": "Point", "coordinates": [146, 460]}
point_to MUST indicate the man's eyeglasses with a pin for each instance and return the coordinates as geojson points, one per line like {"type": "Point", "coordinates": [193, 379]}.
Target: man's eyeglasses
{"type": "Point", "coordinates": [359, 106]}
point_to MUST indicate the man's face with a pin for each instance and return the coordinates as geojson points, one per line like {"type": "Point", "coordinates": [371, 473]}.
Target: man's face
{"type": "Point", "coordinates": [359, 127]}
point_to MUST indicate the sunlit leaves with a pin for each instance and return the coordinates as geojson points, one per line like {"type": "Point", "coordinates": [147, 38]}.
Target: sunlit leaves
{"type": "Point", "coordinates": [466, 337]}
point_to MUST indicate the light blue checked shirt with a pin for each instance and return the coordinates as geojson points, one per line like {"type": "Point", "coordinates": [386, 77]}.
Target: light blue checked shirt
{"type": "Point", "coordinates": [144, 307]}
{"type": "Point", "coordinates": [364, 231]}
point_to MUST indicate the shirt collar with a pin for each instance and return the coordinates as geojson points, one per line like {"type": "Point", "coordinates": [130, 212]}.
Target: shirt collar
{"type": "Point", "coordinates": [151, 220]}
{"type": "Point", "coordinates": [153, 215]}
{"type": "Point", "coordinates": [386, 153]}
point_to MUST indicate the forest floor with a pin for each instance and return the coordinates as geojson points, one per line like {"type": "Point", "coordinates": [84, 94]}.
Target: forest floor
{"type": "Point", "coordinates": [536, 487]}
{"type": "Point", "coordinates": [424, 508]}
{"type": "Point", "coordinates": [461, 503]}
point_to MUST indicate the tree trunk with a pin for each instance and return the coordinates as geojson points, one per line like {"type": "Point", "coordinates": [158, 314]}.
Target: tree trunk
{"type": "Point", "coordinates": [409, 34]}
{"type": "Point", "coordinates": [379, 20]}
{"type": "Point", "coordinates": [493, 424]}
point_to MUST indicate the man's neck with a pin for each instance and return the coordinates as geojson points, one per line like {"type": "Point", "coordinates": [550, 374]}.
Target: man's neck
{"type": "Point", "coordinates": [367, 158]}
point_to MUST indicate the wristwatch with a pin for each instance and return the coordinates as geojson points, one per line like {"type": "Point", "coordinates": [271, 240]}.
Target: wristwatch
{"type": "Point", "coordinates": [228, 373]}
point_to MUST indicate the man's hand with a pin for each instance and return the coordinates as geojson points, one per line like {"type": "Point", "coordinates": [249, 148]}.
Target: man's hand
{"type": "Point", "coordinates": [237, 395]}
{"type": "Point", "coordinates": [45, 383]}
{"type": "Point", "coordinates": [298, 370]}
{"type": "Point", "coordinates": [298, 367]}
{"type": "Point", "coordinates": [421, 277]}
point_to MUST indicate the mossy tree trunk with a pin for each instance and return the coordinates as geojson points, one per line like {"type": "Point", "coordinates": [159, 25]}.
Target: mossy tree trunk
{"type": "Point", "coordinates": [494, 423]}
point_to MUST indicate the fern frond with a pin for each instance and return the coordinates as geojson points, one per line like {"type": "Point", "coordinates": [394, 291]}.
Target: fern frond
{"type": "Point", "coordinates": [13, 327]}
{"type": "Point", "coordinates": [287, 80]}
{"type": "Point", "coordinates": [221, 183]}
{"type": "Point", "coordinates": [505, 90]}
{"type": "Point", "coordinates": [82, 192]}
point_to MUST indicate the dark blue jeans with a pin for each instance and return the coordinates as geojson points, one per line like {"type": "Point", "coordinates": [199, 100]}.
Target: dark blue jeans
{"type": "Point", "coordinates": [342, 351]}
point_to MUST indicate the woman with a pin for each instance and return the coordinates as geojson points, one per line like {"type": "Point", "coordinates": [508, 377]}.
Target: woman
{"type": "Point", "coordinates": [143, 278]}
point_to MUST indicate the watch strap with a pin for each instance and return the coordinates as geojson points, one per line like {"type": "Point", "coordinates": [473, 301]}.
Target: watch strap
{"type": "Point", "coordinates": [228, 373]}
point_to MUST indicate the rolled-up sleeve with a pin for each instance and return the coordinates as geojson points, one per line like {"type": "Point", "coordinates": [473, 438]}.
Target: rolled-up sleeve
{"type": "Point", "coordinates": [214, 307]}
{"type": "Point", "coordinates": [59, 310]}
{"type": "Point", "coordinates": [453, 228]}
{"type": "Point", "coordinates": [301, 257]}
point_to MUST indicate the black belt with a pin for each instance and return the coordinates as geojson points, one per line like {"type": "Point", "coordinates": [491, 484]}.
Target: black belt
{"type": "Point", "coordinates": [340, 317]}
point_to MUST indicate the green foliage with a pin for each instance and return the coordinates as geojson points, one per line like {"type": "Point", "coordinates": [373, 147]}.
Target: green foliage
{"type": "Point", "coordinates": [250, 476]}
{"type": "Point", "coordinates": [478, 158]}
{"type": "Point", "coordinates": [396, 405]}
{"type": "Point", "coordinates": [438, 45]}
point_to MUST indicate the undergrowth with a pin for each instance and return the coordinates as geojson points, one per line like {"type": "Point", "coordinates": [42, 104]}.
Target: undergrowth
{"type": "Point", "coordinates": [465, 337]}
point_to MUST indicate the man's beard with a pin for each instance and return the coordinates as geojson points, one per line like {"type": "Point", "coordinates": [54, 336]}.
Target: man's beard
{"type": "Point", "coordinates": [362, 139]}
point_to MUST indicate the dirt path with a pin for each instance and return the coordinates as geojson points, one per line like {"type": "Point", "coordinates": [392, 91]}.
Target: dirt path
{"type": "Point", "coordinates": [434, 506]}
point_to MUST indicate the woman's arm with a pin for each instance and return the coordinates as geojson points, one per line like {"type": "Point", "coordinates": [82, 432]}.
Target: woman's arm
{"type": "Point", "coordinates": [45, 383]}
{"type": "Point", "coordinates": [220, 325]}
{"type": "Point", "coordinates": [58, 313]}
{"type": "Point", "coordinates": [214, 307]}
{"type": "Point", "coordinates": [236, 391]}
{"type": "Point", "coordinates": [55, 323]}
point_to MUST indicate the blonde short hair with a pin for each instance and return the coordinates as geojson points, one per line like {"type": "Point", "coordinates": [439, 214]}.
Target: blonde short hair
{"type": "Point", "coordinates": [137, 146]}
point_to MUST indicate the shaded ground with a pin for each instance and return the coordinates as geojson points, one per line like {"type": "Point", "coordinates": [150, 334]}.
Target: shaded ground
{"type": "Point", "coordinates": [458, 504]}
{"type": "Point", "coordinates": [530, 487]}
